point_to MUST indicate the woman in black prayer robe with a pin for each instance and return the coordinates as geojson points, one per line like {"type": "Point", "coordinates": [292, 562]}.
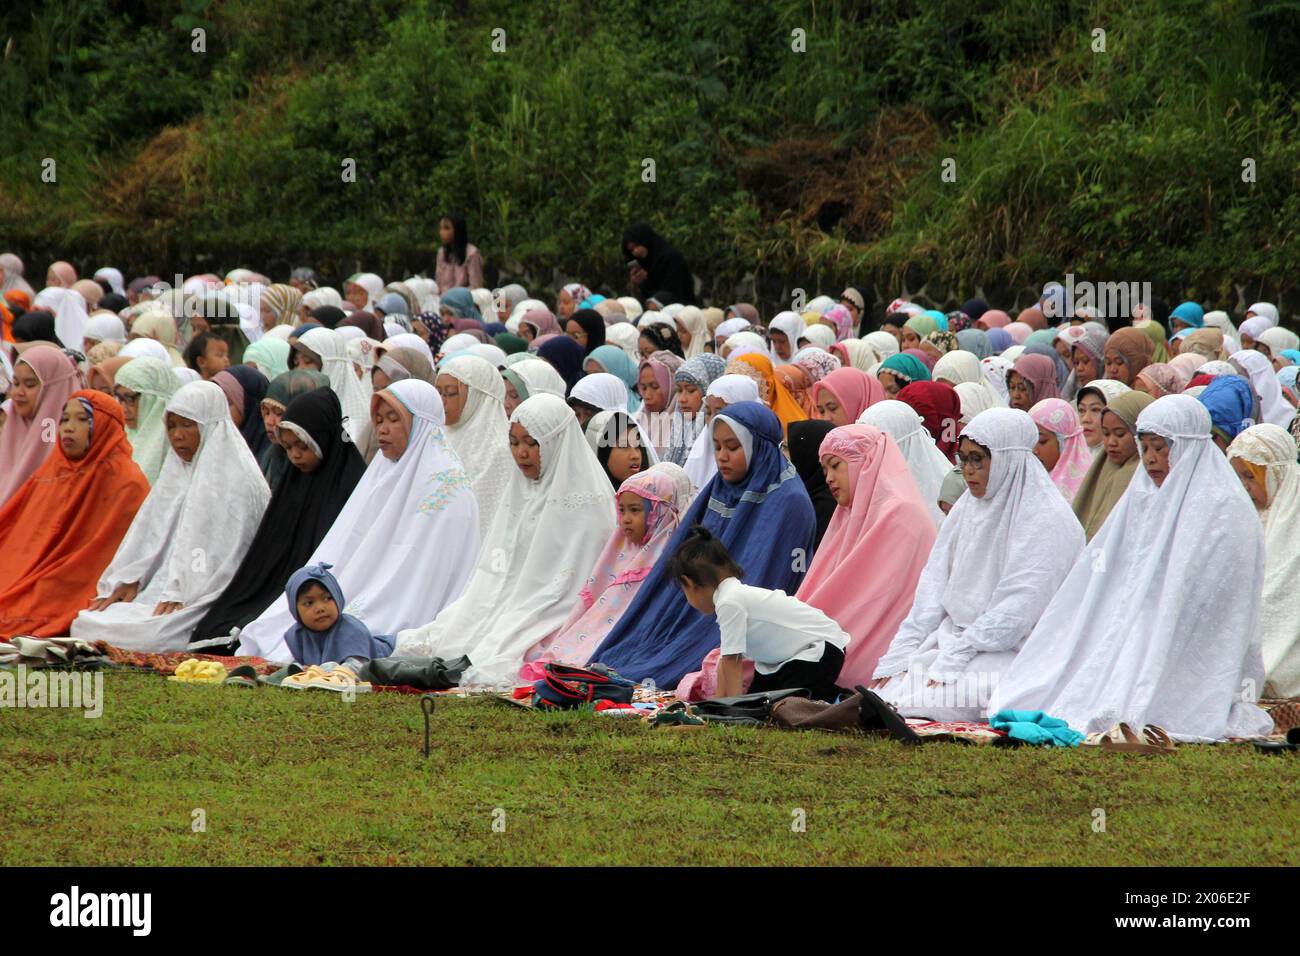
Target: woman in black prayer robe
{"type": "Point", "coordinates": [805, 442]}
{"type": "Point", "coordinates": [303, 506]}
{"type": "Point", "coordinates": [665, 268]}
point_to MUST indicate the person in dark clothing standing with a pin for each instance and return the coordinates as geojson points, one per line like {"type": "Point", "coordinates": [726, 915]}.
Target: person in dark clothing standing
{"type": "Point", "coordinates": [656, 265]}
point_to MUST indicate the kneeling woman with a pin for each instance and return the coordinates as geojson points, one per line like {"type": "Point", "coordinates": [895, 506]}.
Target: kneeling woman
{"type": "Point", "coordinates": [208, 500]}
{"type": "Point", "coordinates": [60, 529]}
{"type": "Point", "coordinates": [1264, 458]}
{"type": "Point", "coordinates": [326, 466]}
{"type": "Point", "coordinates": [413, 508]}
{"type": "Point", "coordinates": [758, 507]}
{"type": "Point", "coordinates": [1001, 554]}
{"type": "Point", "coordinates": [880, 521]}
{"type": "Point", "coordinates": [1139, 632]}
{"type": "Point", "coordinates": [548, 530]}
{"type": "Point", "coordinates": [1111, 472]}
{"type": "Point", "coordinates": [649, 506]}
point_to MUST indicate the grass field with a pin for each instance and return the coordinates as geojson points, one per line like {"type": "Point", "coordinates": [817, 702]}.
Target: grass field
{"type": "Point", "coordinates": [306, 778]}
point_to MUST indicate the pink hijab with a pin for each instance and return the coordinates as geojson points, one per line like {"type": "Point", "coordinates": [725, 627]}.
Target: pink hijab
{"type": "Point", "coordinates": [855, 390]}
{"type": "Point", "coordinates": [840, 319]}
{"type": "Point", "coordinates": [1166, 377]}
{"type": "Point", "coordinates": [1019, 331]}
{"type": "Point", "coordinates": [1040, 372]}
{"type": "Point", "coordinates": [618, 572]}
{"type": "Point", "coordinates": [543, 320]}
{"type": "Point", "coordinates": [1057, 415]}
{"type": "Point", "coordinates": [1188, 364]}
{"type": "Point", "coordinates": [885, 525]}
{"type": "Point", "coordinates": [65, 272]}
{"type": "Point", "coordinates": [23, 447]}
{"type": "Point", "coordinates": [993, 319]}
{"type": "Point", "coordinates": [1033, 317]}
{"type": "Point", "coordinates": [923, 356]}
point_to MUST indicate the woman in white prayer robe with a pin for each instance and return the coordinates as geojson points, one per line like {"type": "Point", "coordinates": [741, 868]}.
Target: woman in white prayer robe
{"type": "Point", "coordinates": [1264, 457]}
{"type": "Point", "coordinates": [403, 545]}
{"type": "Point", "coordinates": [189, 536]}
{"type": "Point", "coordinates": [1158, 621]}
{"type": "Point", "coordinates": [1001, 554]}
{"type": "Point", "coordinates": [544, 538]}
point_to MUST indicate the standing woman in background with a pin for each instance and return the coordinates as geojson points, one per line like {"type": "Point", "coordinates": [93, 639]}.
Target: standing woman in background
{"type": "Point", "coordinates": [657, 265]}
{"type": "Point", "coordinates": [459, 261]}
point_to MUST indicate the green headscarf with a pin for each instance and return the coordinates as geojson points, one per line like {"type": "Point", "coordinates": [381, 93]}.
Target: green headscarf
{"type": "Point", "coordinates": [922, 325]}
{"type": "Point", "coordinates": [155, 381]}
{"type": "Point", "coordinates": [513, 378]}
{"type": "Point", "coordinates": [511, 344]}
{"type": "Point", "coordinates": [908, 367]}
{"type": "Point", "coordinates": [1041, 337]}
{"type": "Point", "coordinates": [1156, 333]}
{"type": "Point", "coordinates": [270, 355]}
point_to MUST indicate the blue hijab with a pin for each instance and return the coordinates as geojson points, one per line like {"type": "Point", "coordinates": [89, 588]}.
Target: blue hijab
{"type": "Point", "coordinates": [617, 362]}
{"type": "Point", "coordinates": [940, 319]}
{"type": "Point", "coordinates": [766, 522]}
{"type": "Point", "coordinates": [1000, 340]}
{"type": "Point", "coordinates": [1231, 404]}
{"type": "Point", "coordinates": [461, 303]}
{"type": "Point", "coordinates": [567, 357]}
{"type": "Point", "coordinates": [975, 341]}
{"type": "Point", "coordinates": [1189, 312]}
{"type": "Point", "coordinates": [347, 638]}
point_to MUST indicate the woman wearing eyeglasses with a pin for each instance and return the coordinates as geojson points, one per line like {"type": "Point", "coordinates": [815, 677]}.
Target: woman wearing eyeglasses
{"type": "Point", "coordinates": [143, 387]}
{"type": "Point", "coordinates": [1000, 555]}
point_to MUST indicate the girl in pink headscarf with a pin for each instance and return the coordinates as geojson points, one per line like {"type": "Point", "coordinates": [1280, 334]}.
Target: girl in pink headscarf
{"type": "Point", "coordinates": [1161, 378]}
{"type": "Point", "coordinates": [1019, 331]}
{"type": "Point", "coordinates": [1062, 447]}
{"type": "Point", "coordinates": [43, 381]}
{"type": "Point", "coordinates": [845, 394]}
{"type": "Point", "coordinates": [648, 506]}
{"type": "Point", "coordinates": [993, 319]}
{"type": "Point", "coordinates": [1032, 378]}
{"type": "Point", "coordinates": [840, 319]}
{"type": "Point", "coordinates": [61, 275]}
{"type": "Point", "coordinates": [880, 521]}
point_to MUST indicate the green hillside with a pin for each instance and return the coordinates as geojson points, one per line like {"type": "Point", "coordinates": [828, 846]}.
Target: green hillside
{"type": "Point", "coordinates": [771, 166]}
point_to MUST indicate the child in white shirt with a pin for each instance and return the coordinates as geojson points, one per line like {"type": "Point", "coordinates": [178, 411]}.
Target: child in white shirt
{"type": "Point", "coordinates": [790, 643]}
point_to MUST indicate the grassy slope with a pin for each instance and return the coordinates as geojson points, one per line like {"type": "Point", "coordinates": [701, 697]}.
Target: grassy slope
{"type": "Point", "coordinates": [775, 168]}
{"type": "Point", "coordinates": [309, 779]}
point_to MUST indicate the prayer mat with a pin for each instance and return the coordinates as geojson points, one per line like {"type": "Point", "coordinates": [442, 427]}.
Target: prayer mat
{"type": "Point", "coordinates": [166, 663]}
{"type": "Point", "coordinates": [962, 731]}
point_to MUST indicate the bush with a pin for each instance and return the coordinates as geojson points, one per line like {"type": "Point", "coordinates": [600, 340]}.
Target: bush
{"type": "Point", "coordinates": [772, 168]}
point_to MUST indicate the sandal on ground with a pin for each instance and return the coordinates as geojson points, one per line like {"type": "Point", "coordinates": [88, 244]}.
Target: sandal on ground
{"type": "Point", "coordinates": [245, 675]}
{"type": "Point", "coordinates": [277, 678]}
{"type": "Point", "coordinates": [301, 680]}
{"type": "Point", "coordinates": [341, 679]}
{"type": "Point", "coordinates": [678, 716]}
{"type": "Point", "coordinates": [1153, 741]}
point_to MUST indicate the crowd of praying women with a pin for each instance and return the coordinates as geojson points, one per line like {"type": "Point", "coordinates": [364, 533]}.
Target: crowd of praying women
{"type": "Point", "coordinates": [963, 511]}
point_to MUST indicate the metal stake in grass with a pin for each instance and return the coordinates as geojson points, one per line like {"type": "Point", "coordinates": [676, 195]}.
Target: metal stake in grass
{"type": "Point", "coordinates": [426, 705]}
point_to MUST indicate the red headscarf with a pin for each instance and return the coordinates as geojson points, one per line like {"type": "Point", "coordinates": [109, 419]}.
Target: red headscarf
{"type": "Point", "coordinates": [61, 529]}
{"type": "Point", "coordinates": [940, 406]}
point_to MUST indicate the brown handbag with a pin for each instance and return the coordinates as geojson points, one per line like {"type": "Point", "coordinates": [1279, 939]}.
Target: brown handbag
{"type": "Point", "coordinates": [800, 713]}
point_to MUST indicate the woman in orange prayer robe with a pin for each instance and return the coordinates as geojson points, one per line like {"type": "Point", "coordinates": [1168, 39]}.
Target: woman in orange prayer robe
{"type": "Point", "coordinates": [60, 530]}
